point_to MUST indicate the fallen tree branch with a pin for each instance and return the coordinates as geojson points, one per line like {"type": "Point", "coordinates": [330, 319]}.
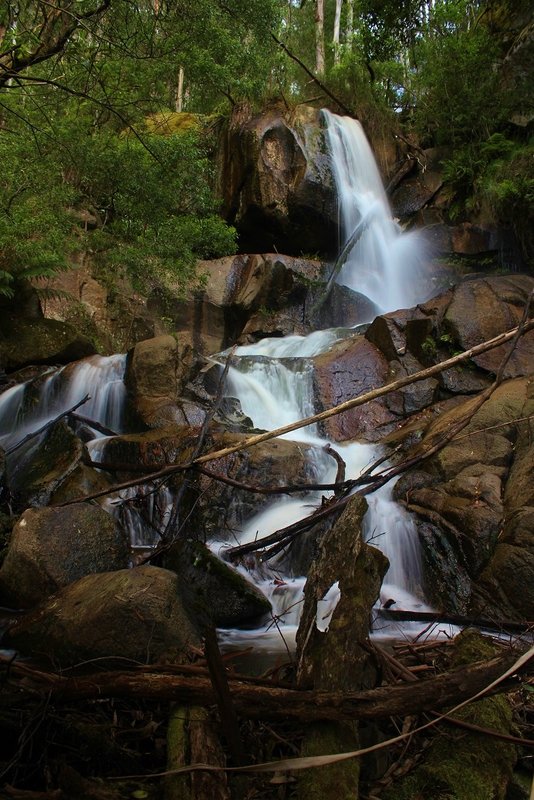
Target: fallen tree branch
{"type": "Point", "coordinates": [254, 701]}
{"type": "Point", "coordinates": [501, 625]}
{"type": "Point", "coordinates": [283, 536]}
{"type": "Point", "coordinates": [361, 400]}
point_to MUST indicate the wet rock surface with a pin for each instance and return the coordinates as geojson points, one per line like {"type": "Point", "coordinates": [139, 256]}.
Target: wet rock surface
{"type": "Point", "coordinates": [36, 470]}
{"type": "Point", "coordinates": [214, 591]}
{"type": "Point", "coordinates": [276, 181]}
{"type": "Point", "coordinates": [474, 499]}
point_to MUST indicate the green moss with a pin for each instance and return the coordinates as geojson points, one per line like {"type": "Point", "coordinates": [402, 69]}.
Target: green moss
{"type": "Point", "coordinates": [177, 787]}
{"type": "Point", "coordinates": [337, 780]}
{"type": "Point", "coordinates": [166, 123]}
{"type": "Point", "coordinates": [461, 765]}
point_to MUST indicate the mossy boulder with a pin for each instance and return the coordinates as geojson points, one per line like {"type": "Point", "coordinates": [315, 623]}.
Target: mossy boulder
{"type": "Point", "coordinates": [459, 764]}
{"type": "Point", "coordinates": [52, 547]}
{"type": "Point", "coordinates": [135, 614]}
{"type": "Point", "coordinates": [39, 341]}
{"type": "Point", "coordinates": [214, 590]}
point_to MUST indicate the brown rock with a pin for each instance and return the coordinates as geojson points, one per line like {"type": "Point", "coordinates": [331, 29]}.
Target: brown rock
{"type": "Point", "coordinates": [156, 373]}
{"type": "Point", "coordinates": [350, 368]}
{"type": "Point", "coordinates": [276, 182]}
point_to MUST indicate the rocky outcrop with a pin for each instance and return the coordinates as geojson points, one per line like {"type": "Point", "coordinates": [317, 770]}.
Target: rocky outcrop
{"type": "Point", "coordinates": [351, 367]}
{"type": "Point", "coordinates": [276, 183]}
{"type": "Point", "coordinates": [474, 500]}
{"type": "Point", "coordinates": [52, 547]}
{"type": "Point", "coordinates": [216, 507]}
{"type": "Point", "coordinates": [156, 373]}
{"type": "Point", "coordinates": [39, 341]}
{"type": "Point", "coordinates": [134, 614]}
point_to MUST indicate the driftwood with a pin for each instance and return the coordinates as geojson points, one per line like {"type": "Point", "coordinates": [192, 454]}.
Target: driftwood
{"type": "Point", "coordinates": [361, 400]}
{"type": "Point", "coordinates": [256, 701]}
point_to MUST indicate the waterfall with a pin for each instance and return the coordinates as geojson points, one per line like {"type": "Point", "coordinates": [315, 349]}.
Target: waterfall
{"type": "Point", "coordinates": [377, 259]}
{"type": "Point", "coordinates": [273, 380]}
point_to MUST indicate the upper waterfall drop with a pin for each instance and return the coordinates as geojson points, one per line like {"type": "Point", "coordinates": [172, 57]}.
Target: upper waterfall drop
{"type": "Point", "coordinates": [377, 259]}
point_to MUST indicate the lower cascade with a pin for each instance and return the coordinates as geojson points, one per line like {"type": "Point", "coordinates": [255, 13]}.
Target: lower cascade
{"type": "Point", "coordinates": [272, 379]}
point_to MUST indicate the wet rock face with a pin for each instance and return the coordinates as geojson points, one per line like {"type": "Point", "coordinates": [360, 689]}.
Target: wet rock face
{"type": "Point", "coordinates": [135, 614]}
{"type": "Point", "coordinates": [276, 182]}
{"type": "Point", "coordinates": [222, 508]}
{"type": "Point", "coordinates": [350, 368]}
{"type": "Point", "coordinates": [52, 547]}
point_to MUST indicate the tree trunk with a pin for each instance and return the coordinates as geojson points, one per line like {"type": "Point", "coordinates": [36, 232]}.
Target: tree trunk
{"type": "Point", "coordinates": [256, 701]}
{"type": "Point", "coordinates": [337, 26]}
{"type": "Point", "coordinates": [319, 37]}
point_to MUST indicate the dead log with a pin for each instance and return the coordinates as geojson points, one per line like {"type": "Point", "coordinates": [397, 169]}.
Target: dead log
{"type": "Point", "coordinates": [252, 701]}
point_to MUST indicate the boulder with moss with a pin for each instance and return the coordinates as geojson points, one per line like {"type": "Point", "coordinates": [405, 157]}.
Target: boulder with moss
{"type": "Point", "coordinates": [134, 614]}
{"type": "Point", "coordinates": [459, 764]}
{"type": "Point", "coordinates": [52, 547]}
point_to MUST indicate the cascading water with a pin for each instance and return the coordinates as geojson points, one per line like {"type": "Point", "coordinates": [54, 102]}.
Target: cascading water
{"type": "Point", "coordinates": [376, 259]}
{"type": "Point", "coordinates": [26, 407]}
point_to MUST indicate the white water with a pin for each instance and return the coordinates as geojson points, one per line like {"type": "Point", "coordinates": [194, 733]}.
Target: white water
{"type": "Point", "coordinates": [383, 262]}
{"type": "Point", "coordinates": [273, 381]}
{"type": "Point", "coordinates": [275, 393]}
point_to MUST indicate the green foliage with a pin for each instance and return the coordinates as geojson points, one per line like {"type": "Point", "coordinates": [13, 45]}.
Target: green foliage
{"type": "Point", "coordinates": [498, 172]}
{"type": "Point", "coordinates": [34, 226]}
{"type": "Point", "coordinates": [457, 93]}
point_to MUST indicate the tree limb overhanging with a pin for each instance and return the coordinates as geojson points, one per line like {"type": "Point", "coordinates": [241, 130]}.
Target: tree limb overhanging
{"type": "Point", "coordinates": [58, 26]}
